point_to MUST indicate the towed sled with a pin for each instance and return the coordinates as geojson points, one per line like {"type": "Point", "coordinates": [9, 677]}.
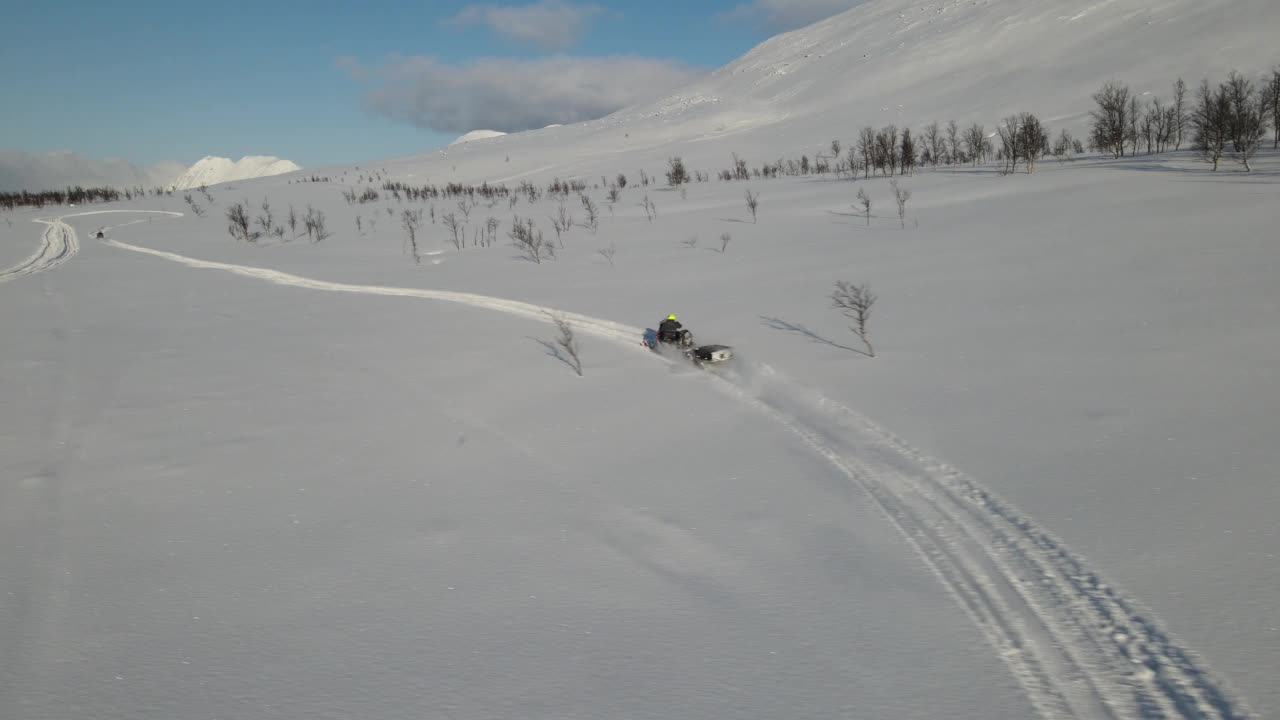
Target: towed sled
{"type": "Point", "coordinates": [698, 354]}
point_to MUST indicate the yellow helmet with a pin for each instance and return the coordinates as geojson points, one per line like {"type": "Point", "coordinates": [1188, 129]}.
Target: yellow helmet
{"type": "Point", "coordinates": [671, 317]}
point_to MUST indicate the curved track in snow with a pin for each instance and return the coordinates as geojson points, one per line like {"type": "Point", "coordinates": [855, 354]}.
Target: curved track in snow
{"type": "Point", "coordinates": [57, 245]}
{"type": "Point", "coordinates": [1078, 647]}
{"type": "Point", "coordinates": [60, 243]}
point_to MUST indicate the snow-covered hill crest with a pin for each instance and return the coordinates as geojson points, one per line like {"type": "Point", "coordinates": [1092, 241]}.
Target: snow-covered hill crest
{"type": "Point", "coordinates": [212, 170]}
{"type": "Point", "coordinates": [477, 135]}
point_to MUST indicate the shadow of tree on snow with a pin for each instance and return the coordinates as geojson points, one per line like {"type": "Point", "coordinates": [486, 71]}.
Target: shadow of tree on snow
{"type": "Point", "coordinates": [780, 324]}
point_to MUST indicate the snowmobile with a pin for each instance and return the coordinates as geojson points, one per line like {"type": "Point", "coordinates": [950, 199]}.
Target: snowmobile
{"type": "Point", "coordinates": [698, 354]}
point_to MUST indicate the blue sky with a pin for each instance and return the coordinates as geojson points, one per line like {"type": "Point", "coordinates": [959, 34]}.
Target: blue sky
{"type": "Point", "coordinates": [321, 81]}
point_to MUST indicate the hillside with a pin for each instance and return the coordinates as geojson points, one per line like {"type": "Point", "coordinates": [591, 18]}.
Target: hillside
{"type": "Point", "coordinates": [891, 61]}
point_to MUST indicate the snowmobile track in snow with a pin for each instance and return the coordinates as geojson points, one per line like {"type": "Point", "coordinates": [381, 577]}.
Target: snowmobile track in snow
{"type": "Point", "coordinates": [1077, 646]}
{"type": "Point", "coordinates": [57, 245]}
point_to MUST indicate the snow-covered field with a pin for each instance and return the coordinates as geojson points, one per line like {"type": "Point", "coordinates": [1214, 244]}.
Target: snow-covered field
{"type": "Point", "coordinates": [294, 479]}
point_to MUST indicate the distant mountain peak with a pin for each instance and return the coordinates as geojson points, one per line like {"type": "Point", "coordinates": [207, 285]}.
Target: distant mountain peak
{"type": "Point", "coordinates": [211, 170]}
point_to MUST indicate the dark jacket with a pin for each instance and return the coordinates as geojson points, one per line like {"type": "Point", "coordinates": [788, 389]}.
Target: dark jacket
{"type": "Point", "coordinates": [669, 330]}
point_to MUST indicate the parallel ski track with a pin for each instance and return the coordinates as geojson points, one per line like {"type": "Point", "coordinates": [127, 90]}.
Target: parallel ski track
{"type": "Point", "coordinates": [1077, 646]}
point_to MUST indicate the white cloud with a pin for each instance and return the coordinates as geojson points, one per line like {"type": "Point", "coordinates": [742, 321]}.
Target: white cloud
{"type": "Point", "coordinates": [25, 171]}
{"type": "Point", "coordinates": [781, 15]}
{"type": "Point", "coordinates": [547, 24]}
{"type": "Point", "coordinates": [511, 95]}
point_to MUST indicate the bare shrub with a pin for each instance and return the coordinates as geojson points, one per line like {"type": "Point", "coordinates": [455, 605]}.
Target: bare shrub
{"type": "Point", "coordinates": [265, 220]}
{"type": "Point", "coordinates": [865, 201]}
{"type": "Point", "coordinates": [566, 348]}
{"type": "Point", "coordinates": [901, 196]}
{"type": "Point", "coordinates": [608, 253]}
{"type": "Point", "coordinates": [855, 302]}
{"type": "Point", "coordinates": [238, 219]}
{"type": "Point", "coordinates": [315, 224]}
{"type": "Point", "coordinates": [724, 242]}
{"type": "Point", "coordinates": [457, 231]}
{"type": "Point", "coordinates": [676, 173]}
{"type": "Point", "coordinates": [528, 239]}
{"type": "Point", "coordinates": [593, 213]}
{"type": "Point", "coordinates": [411, 220]}
{"type": "Point", "coordinates": [650, 210]}
{"type": "Point", "coordinates": [293, 221]}
{"type": "Point", "coordinates": [491, 230]}
{"type": "Point", "coordinates": [753, 204]}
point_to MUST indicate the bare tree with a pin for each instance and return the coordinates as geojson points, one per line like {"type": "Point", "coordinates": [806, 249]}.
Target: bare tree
{"type": "Point", "coordinates": [1010, 142]}
{"type": "Point", "coordinates": [865, 200]}
{"type": "Point", "coordinates": [1211, 122]}
{"type": "Point", "coordinates": [753, 204]}
{"type": "Point", "coordinates": [1034, 139]}
{"type": "Point", "coordinates": [908, 153]}
{"type": "Point", "coordinates": [457, 230]}
{"type": "Point", "coordinates": [1111, 118]}
{"type": "Point", "coordinates": [567, 349]}
{"type": "Point", "coordinates": [293, 221]}
{"type": "Point", "coordinates": [465, 208]}
{"type": "Point", "coordinates": [1247, 121]}
{"type": "Point", "coordinates": [934, 142]}
{"type": "Point", "coordinates": [901, 196]}
{"type": "Point", "coordinates": [1064, 147]}
{"type": "Point", "coordinates": [1179, 112]}
{"type": "Point", "coordinates": [867, 148]}
{"type": "Point", "coordinates": [855, 302]}
{"type": "Point", "coordinates": [1273, 108]}
{"type": "Point", "coordinates": [412, 221]}
{"type": "Point", "coordinates": [953, 143]}
{"type": "Point", "coordinates": [975, 140]}
{"type": "Point", "coordinates": [724, 242]}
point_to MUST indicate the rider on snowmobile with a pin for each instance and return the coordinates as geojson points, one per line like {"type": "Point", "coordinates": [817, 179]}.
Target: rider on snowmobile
{"type": "Point", "coordinates": [669, 329]}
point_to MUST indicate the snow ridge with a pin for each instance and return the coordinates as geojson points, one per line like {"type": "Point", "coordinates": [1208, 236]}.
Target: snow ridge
{"type": "Point", "coordinates": [1078, 647]}
{"type": "Point", "coordinates": [211, 170]}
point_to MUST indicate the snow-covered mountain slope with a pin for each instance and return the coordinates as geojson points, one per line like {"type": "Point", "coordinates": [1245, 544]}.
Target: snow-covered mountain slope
{"type": "Point", "coordinates": [894, 61]}
{"type": "Point", "coordinates": [477, 135]}
{"type": "Point", "coordinates": [212, 170]}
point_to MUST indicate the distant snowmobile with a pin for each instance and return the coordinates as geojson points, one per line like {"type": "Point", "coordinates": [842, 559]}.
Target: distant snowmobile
{"type": "Point", "coordinates": [671, 333]}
